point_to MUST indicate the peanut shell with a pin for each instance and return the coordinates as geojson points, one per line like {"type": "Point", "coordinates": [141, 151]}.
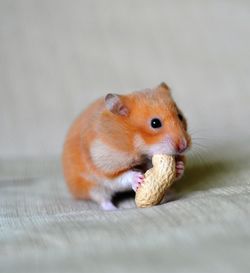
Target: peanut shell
{"type": "Point", "coordinates": [157, 180]}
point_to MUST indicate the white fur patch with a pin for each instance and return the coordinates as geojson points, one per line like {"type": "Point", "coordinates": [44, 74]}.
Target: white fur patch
{"type": "Point", "coordinates": [122, 182]}
{"type": "Point", "coordinates": [107, 187]}
{"type": "Point", "coordinates": [108, 159]}
{"type": "Point", "coordinates": [163, 147]}
{"type": "Point", "coordinates": [139, 143]}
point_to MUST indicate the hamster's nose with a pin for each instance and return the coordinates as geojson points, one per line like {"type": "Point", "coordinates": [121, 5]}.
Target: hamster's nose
{"type": "Point", "coordinates": [181, 146]}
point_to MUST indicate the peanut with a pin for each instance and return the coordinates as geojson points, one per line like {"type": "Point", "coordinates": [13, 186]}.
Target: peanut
{"type": "Point", "coordinates": [157, 180]}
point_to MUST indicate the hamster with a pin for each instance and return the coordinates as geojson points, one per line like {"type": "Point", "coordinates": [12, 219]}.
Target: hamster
{"type": "Point", "coordinates": [111, 143]}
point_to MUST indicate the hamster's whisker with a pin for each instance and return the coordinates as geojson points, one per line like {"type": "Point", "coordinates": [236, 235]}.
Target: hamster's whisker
{"type": "Point", "coordinates": [196, 155]}
{"type": "Point", "coordinates": [197, 131]}
{"type": "Point", "coordinates": [199, 155]}
{"type": "Point", "coordinates": [197, 135]}
{"type": "Point", "coordinates": [199, 145]}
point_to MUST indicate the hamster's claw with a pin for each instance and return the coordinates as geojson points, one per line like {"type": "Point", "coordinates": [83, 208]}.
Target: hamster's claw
{"type": "Point", "coordinates": [180, 167]}
{"type": "Point", "coordinates": [137, 180]}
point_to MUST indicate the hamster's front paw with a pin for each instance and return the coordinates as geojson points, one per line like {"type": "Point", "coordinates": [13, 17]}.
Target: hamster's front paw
{"type": "Point", "coordinates": [137, 179]}
{"type": "Point", "coordinates": [180, 167]}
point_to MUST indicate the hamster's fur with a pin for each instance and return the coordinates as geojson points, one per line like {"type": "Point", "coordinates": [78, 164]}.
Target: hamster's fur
{"type": "Point", "coordinates": [118, 134]}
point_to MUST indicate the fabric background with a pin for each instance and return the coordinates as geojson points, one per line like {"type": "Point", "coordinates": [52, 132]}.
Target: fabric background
{"type": "Point", "coordinates": [58, 56]}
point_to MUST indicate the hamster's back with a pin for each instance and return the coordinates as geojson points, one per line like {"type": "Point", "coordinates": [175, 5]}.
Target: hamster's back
{"type": "Point", "coordinates": [76, 150]}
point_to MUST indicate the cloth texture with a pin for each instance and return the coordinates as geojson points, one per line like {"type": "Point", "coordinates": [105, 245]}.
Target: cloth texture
{"type": "Point", "coordinates": [58, 56]}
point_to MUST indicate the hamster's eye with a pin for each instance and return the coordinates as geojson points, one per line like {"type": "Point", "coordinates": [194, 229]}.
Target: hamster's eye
{"type": "Point", "coordinates": [155, 123]}
{"type": "Point", "coordinates": [180, 116]}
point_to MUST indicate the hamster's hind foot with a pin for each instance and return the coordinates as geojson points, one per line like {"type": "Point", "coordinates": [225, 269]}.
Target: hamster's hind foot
{"type": "Point", "coordinates": [108, 205]}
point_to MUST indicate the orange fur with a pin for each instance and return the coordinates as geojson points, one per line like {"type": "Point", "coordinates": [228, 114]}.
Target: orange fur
{"type": "Point", "coordinates": [117, 132]}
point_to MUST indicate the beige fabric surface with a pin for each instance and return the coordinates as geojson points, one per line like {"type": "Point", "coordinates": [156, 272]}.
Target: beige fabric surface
{"type": "Point", "coordinates": [55, 58]}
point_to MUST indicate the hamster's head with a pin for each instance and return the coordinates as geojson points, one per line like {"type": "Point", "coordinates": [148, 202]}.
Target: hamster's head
{"type": "Point", "coordinates": [153, 121]}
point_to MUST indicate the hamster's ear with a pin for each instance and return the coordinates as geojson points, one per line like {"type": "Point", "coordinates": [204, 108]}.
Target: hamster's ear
{"type": "Point", "coordinates": [115, 105]}
{"type": "Point", "coordinates": [164, 87]}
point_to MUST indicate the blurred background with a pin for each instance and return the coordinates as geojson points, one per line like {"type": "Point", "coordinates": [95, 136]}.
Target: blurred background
{"type": "Point", "coordinates": [57, 56]}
